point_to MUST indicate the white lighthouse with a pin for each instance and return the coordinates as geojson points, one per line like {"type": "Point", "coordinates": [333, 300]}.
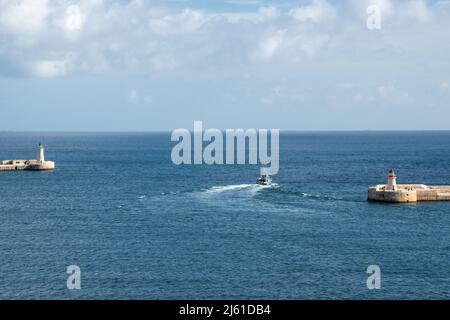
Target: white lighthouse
{"type": "Point", "coordinates": [40, 154]}
{"type": "Point", "coordinates": [392, 181]}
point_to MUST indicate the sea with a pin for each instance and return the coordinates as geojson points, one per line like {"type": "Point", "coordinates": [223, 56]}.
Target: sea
{"type": "Point", "coordinates": [140, 227]}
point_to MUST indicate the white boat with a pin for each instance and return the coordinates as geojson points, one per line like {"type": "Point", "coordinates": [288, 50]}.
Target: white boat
{"type": "Point", "coordinates": [264, 180]}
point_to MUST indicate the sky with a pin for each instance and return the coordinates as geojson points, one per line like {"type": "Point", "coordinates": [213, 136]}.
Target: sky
{"type": "Point", "coordinates": [116, 65]}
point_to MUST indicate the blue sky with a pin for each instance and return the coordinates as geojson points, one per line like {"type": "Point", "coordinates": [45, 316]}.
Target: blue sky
{"type": "Point", "coordinates": [112, 65]}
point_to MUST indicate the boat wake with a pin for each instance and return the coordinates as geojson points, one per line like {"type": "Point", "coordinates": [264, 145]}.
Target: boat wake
{"type": "Point", "coordinates": [252, 188]}
{"type": "Point", "coordinates": [220, 189]}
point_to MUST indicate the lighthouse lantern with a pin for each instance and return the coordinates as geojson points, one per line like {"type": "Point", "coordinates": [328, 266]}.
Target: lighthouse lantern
{"type": "Point", "coordinates": [392, 181]}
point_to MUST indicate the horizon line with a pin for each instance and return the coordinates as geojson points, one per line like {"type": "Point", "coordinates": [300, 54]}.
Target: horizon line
{"type": "Point", "coordinates": [281, 130]}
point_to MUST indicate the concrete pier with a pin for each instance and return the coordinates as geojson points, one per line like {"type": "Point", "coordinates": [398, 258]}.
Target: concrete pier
{"type": "Point", "coordinates": [406, 193]}
{"type": "Point", "coordinates": [40, 164]}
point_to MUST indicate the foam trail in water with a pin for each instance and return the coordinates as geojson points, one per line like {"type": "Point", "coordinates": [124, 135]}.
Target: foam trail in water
{"type": "Point", "coordinates": [252, 188]}
{"type": "Point", "coordinates": [219, 189]}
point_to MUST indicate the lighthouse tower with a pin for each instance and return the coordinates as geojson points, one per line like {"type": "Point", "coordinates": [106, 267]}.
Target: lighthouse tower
{"type": "Point", "coordinates": [392, 181]}
{"type": "Point", "coordinates": [40, 154]}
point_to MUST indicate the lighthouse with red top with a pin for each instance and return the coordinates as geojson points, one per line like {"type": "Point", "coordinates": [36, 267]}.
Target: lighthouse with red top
{"type": "Point", "coordinates": [404, 193]}
{"type": "Point", "coordinates": [392, 181]}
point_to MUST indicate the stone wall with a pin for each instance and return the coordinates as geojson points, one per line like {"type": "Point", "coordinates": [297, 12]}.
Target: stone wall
{"type": "Point", "coordinates": [399, 196]}
{"type": "Point", "coordinates": [409, 193]}
{"type": "Point", "coordinates": [19, 165]}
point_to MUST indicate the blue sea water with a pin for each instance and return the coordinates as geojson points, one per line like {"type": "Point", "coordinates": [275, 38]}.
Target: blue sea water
{"type": "Point", "coordinates": [140, 227]}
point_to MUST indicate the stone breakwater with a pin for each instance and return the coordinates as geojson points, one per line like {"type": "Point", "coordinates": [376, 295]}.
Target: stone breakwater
{"type": "Point", "coordinates": [18, 165]}
{"type": "Point", "coordinates": [405, 193]}
{"type": "Point", "coordinates": [37, 165]}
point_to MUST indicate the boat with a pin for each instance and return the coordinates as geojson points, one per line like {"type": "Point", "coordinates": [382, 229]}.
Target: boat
{"type": "Point", "coordinates": [264, 180]}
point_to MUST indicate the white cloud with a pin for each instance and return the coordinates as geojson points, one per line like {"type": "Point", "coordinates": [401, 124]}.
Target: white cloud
{"type": "Point", "coordinates": [187, 21]}
{"type": "Point", "coordinates": [24, 16]}
{"type": "Point", "coordinates": [359, 7]}
{"type": "Point", "coordinates": [49, 68]}
{"type": "Point", "coordinates": [207, 56]}
{"type": "Point", "coordinates": [74, 18]}
{"type": "Point", "coordinates": [267, 14]}
{"type": "Point", "coordinates": [138, 37]}
{"type": "Point", "coordinates": [262, 15]}
{"type": "Point", "coordinates": [268, 46]}
{"type": "Point", "coordinates": [417, 10]}
{"type": "Point", "coordinates": [395, 11]}
{"type": "Point", "coordinates": [318, 12]}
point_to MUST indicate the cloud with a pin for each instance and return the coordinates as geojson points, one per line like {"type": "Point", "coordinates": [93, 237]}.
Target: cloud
{"type": "Point", "coordinates": [24, 16]}
{"type": "Point", "coordinates": [317, 12]}
{"type": "Point", "coordinates": [49, 68]}
{"type": "Point", "coordinates": [219, 64]}
{"type": "Point", "coordinates": [184, 22]}
{"type": "Point", "coordinates": [58, 38]}
{"type": "Point", "coordinates": [74, 18]}
{"type": "Point", "coordinates": [358, 7]}
{"type": "Point", "coordinates": [268, 46]}
{"type": "Point", "coordinates": [416, 10]}
{"type": "Point", "coordinates": [263, 14]}
{"type": "Point", "coordinates": [395, 11]}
